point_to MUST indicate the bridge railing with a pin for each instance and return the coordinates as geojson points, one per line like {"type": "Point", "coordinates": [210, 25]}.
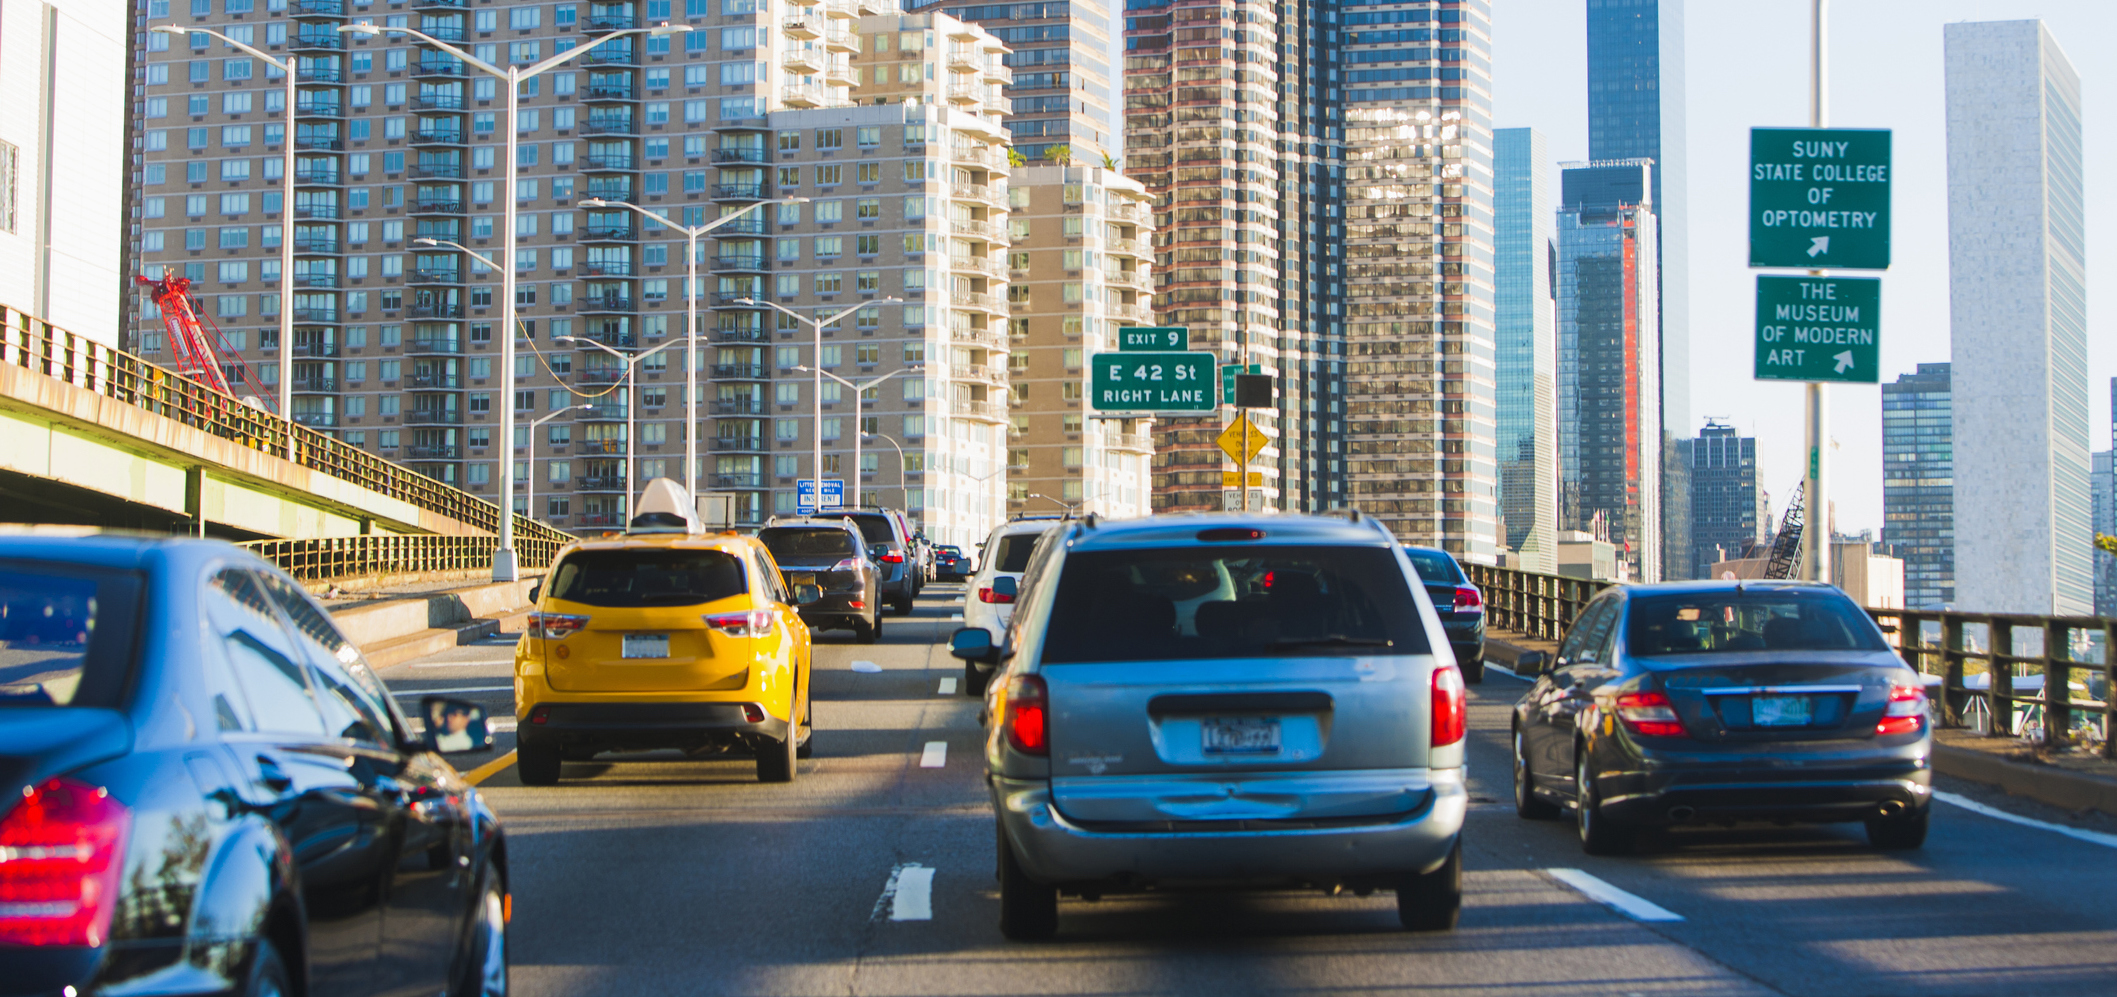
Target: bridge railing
{"type": "Point", "coordinates": [324, 558]}
{"type": "Point", "coordinates": [33, 344]}
{"type": "Point", "coordinates": [2006, 674]}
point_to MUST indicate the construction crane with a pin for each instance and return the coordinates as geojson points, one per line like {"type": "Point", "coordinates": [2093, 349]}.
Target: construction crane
{"type": "Point", "coordinates": [193, 338]}
{"type": "Point", "coordinates": [1786, 547]}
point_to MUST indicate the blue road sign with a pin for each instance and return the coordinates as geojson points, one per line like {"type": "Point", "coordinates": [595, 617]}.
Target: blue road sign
{"type": "Point", "coordinates": [805, 495]}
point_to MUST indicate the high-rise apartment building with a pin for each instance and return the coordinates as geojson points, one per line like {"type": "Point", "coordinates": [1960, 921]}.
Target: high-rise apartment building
{"type": "Point", "coordinates": [1059, 52]}
{"type": "Point", "coordinates": [1420, 382]}
{"type": "Point", "coordinates": [889, 123]}
{"type": "Point", "coordinates": [1610, 452]}
{"type": "Point", "coordinates": [1525, 365]}
{"type": "Point", "coordinates": [63, 163]}
{"type": "Point", "coordinates": [2018, 312]}
{"type": "Point", "coordinates": [1080, 236]}
{"type": "Point", "coordinates": [1727, 513]}
{"type": "Point", "coordinates": [1918, 482]}
{"type": "Point", "coordinates": [2103, 488]}
{"type": "Point", "coordinates": [1636, 111]}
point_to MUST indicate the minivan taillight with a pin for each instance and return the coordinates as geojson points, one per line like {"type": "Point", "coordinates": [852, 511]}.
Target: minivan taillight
{"type": "Point", "coordinates": [1650, 713]}
{"type": "Point", "coordinates": [60, 852]}
{"type": "Point", "coordinates": [988, 596]}
{"type": "Point", "coordinates": [749, 623]}
{"type": "Point", "coordinates": [1906, 712]}
{"type": "Point", "coordinates": [554, 626]}
{"type": "Point", "coordinates": [1449, 719]}
{"type": "Point", "coordinates": [1468, 599]}
{"type": "Point", "coordinates": [1025, 719]}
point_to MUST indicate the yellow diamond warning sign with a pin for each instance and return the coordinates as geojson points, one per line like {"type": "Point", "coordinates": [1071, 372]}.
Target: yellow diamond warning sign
{"type": "Point", "coordinates": [1241, 441]}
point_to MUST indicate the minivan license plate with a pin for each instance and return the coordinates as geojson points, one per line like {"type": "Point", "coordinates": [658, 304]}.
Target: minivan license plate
{"type": "Point", "coordinates": [1779, 711]}
{"type": "Point", "coordinates": [646, 645]}
{"type": "Point", "coordinates": [1241, 735]}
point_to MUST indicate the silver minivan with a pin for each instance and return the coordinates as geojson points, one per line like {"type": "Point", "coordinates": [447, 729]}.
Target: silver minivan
{"type": "Point", "coordinates": [1224, 701]}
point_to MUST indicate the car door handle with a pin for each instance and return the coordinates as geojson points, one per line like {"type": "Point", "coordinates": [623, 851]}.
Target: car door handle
{"type": "Point", "coordinates": [272, 777]}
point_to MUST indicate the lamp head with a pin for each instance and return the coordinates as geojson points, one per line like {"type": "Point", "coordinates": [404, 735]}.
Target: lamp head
{"type": "Point", "coordinates": [665, 30]}
{"type": "Point", "coordinates": [745, 301]}
{"type": "Point", "coordinates": [170, 29]}
{"type": "Point", "coordinates": [793, 200]}
{"type": "Point", "coordinates": [570, 339]}
{"type": "Point", "coordinates": [424, 241]}
{"type": "Point", "coordinates": [891, 300]}
{"type": "Point", "coordinates": [594, 202]}
{"type": "Point", "coordinates": [364, 29]}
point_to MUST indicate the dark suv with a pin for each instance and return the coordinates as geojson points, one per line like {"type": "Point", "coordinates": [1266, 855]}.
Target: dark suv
{"type": "Point", "coordinates": [830, 554]}
{"type": "Point", "coordinates": [890, 544]}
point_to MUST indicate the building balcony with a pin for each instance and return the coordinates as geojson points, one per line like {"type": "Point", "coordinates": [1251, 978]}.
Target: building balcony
{"type": "Point", "coordinates": [440, 4]}
{"type": "Point", "coordinates": [740, 299]}
{"type": "Point", "coordinates": [323, 280]}
{"type": "Point", "coordinates": [313, 143]}
{"type": "Point", "coordinates": [599, 483]}
{"type": "Point", "coordinates": [433, 417]}
{"type": "Point", "coordinates": [988, 337]}
{"type": "Point", "coordinates": [317, 420]}
{"type": "Point", "coordinates": [316, 74]}
{"type": "Point", "coordinates": [602, 412]}
{"type": "Point", "coordinates": [315, 246]}
{"type": "Point", "coordinates": [591, 304]}
{"type": "Point", "coordinates": [756, 124]}
{"type": "Point", "coordinates": [432, 346]}
{"type": "Point", "coordinates": [748, 225]}
{"type": "Point", "coordinates": [738, 406]}
{"type": "Point", "coordinates": [841, 74]}
{"type": "Point", "coordinates": [316, 315]}
{"type": "Point", "coordinates": [740, 155]}
{"type": "Point", "coordinates": [435, 171]}
{"type": "Point", "coordinates": [972, 299]}
{"type": "Point", "coordinates": [603, 56]}
{"type": "Point", "coordinates": [436, 206]}
{"type": "Point", "coordinates": [605, 268]}
{"type": "Point", "coordinates": [316, 41]}
{"type": "Point", "coordinates": [315, 385]}
{"type": "Point", "coordinates": [804, 61]}
{"type": "Point", "coordinates": [320, 350]}
{"type": "Point", "coordinates": [445, 69]}
{"type": "Point", "coordinates": [984, 411]}
{"type": "Point", "coordinates": [609, 126]}
{"type": "Point", "coordinates": [605, 163]}
{"type": "Point", "coordinates": [316, 211]}
{"type": "Point", "coordinates": [612, 22]}
{"type": "Point", "coordinates": [966, 94]}
{"type": "Point", "coordinates": [604, 92]}
{"type": "Point", "coordinates": [740, 371]}
{"type": "Point", "coordinates": [801, 96]}
{"type": "Point", "coordinates": [439, 136]}
{"type": "Point", "coordinates": [750, 334]}
{"type": "Point", "coordinates": [990, 266]}
{"type": "Point", "coordinates": [319, 109]}
{"type": "Point", "coordinates": [599, 375]}
{"type": "Point", "coordinates": [740, 262]}
{"type": "Point", "coordinates": [608, 233]}
{"type": "Point", "coordinates": [736, 444]}
{"type": "Point", "coordinates": [750, 479]}
{"type": "Point", "coordinates": [738, 192]}
{"type": "Point", "coordinates": [610, 194]}
{"type": "Point", "coordinates": [433, 452]}
{"type": "Point", "coordinates": [435, 311]}
{"type": "Point", "coordinates": [437, 102]}
{"type": "Point", "coordinates": [433, 382]}
{"type": "Point", "coordinates": [801, 28]}
{"type": "Point", "coordinates": [312, 176]}
{"type": "Point", "coordinates": [317, 8]}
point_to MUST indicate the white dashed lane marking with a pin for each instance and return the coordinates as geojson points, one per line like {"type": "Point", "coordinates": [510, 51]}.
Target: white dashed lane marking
{"type": "Point", "coordinates": [948, 687]}
{"type": "Point", "coordinates": [866, 666]}
{"type": "Point", "coordinates": [909, 894]}
{"type": "Point", "coordinates": [935, 755]}
{"type": "Point", "coordinates": [1636, 907]}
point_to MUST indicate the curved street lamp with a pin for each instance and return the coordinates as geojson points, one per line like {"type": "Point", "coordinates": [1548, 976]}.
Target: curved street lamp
{"type": "Point", "coordinates": [816, 326]}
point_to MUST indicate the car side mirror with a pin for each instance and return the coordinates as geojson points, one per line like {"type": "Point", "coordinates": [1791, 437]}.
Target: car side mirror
{"type": "Point", "coordinates": [974, 644]}
{"type": "Point", "coordinates": [807, 593]}
{"type": "Point", "coordinates": [1007, 586]}
{"type": "Point", "coordinates": [454, 726]}
{"type": "Point", "coordinates": [1532, 663]}
{"type": "Point", "coordinates": [534, 591]}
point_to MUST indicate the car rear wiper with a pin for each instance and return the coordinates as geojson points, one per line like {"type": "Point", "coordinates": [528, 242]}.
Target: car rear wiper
{"type": "Point", "coordinates": [1331, 640]}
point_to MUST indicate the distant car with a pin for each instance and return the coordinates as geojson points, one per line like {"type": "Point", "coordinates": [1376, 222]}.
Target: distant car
{"type": "Point", "coordinates": [950, 565]}
{"type": "Point", "coordinates": [988, 599]}
{"type": "Point", "coordinates": [890, 543]}
{"type": "Point", "coordinates": [664, 637]}
{"type": "Point", "coordinates": [1225, 701]}
{"type": "Point", "coordinates": [207, 790]}
{"type": "Point", "coordinates": [1459, 604]}
{"type": "Point", "coordinates": [1704, 702]}
{"type": "Point", "coordinates": [831, 555]}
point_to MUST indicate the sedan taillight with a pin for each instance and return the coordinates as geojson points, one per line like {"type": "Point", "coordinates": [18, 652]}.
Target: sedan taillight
{"type": "Point", "coordinates": [849, 564]}
{"type": "Point", "coordinates": [60, 852]}
{"type": "Point", "coordinates": [1906, 712]}
{"type": "Point", "coordinates": [1025, 718]}
{"type": "Point", "coordinates": [749, 623]}
{"type": "Point", "coordinates": [989, 597]}
{"type": "Point", "coordinates": [1650, 714]}
{"type": "Point", "coordinates": [1468, 599]}
{"type": "Point", "coordinates": [554, 626]}
{"type": "Point", "coordinates": [1450, 721]}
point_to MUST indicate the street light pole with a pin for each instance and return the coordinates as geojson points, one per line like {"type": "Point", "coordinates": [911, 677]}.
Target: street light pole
{"type": "Point", "coordinates": [691, 292]}
{"type": "Point", "coordinates": [631, 383]}
{"type": "Point", "coordinates": [531, 498]}
{"type": "Point", "coordinates": [286, 219]}
{"type": "Point", "coordinates": [816, 326]}
{"type": "Point", "coordinates": [858, 431]}
{"type": "Point", "coordinates": [1068, 506]}
{"type": "Point", "coordinates": [504, 567]}
{"type": "Point", "coordinates": [902, 485]}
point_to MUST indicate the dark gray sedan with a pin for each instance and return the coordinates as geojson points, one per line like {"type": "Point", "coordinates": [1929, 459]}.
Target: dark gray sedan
{"type": "Point", "coordinates": [829, 554]}
{"type": "Point", "coordinates": [1721, 702]}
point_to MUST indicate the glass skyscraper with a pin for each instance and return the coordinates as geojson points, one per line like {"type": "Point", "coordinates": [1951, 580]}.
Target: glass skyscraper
{"type": "Point", "coordinates": [1918, 483]}
{"type": "Point", "coordinates": [1526, 352]}
{"type": "Point", "coordinates": [1726, 513]}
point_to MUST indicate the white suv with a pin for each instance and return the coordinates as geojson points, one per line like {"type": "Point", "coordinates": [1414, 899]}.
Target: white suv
{"type": "Point", "coordinates": [988, 598]}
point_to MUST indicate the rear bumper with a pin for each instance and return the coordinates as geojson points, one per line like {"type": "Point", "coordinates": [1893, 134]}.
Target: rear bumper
{"type": "Point", "coordinates": [1675, 794]}
{"type": "Point", "coordinates": [1055, 850]}
{"type": "Point", "coordinates": [648, 724]}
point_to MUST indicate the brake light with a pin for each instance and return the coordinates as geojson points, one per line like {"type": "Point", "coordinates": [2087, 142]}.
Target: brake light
{"type": "Point", "coordinates": [1650, 713]}
{"type": "Point", "coordinates": [748, 623]}
{"type": "Point", "coordinates": [849, 564]}
{"type": "Point", "coordinates": [1468, 599]}
{"type": "Point", "coordinates": [554, 626]}
{"type": "Point", "coordinates": [1449, 719]}
{"type": "Point", "coordinates": [60, 852]}
{"type": "Point", "coordinates": [1025, 717]}
{"type": "Point", "coordinates": [892, 558]}
{"type": "Point", "coordinates": [1906, 712]}
{"type": "Point", "coordinates": [987, 595]}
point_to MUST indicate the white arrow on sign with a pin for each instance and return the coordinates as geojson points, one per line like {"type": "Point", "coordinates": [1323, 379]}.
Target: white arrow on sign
{"type": "Point", "coordinates": [1844, 361]}
{"type": "Point", "coordinates": [1818, 246]}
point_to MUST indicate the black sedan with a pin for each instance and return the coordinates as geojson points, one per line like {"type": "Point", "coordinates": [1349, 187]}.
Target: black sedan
{"type": "Point", "coordinates": [950, 564]}
{"type": "Point", "coordinates": [829, 554]}
{"type": "Point", "coordinates": [208, 790]}
{"type": "Point", "coordinates": [1718, 702]}
{"type": "Point", "coordinates": [1459, 604]}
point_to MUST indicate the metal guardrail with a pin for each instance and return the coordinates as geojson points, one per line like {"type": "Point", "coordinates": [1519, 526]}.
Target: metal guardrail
{"type": "Point", "coordinates": [33, 344]}
{"type": "Point", "coordinates": [321, 558]}
{"type": "Point", "coordinates": [1532, 603]}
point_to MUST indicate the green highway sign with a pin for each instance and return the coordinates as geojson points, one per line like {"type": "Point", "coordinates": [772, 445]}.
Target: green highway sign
{"type": "Point", "coordinates": [1150, 339]}
{"type": "Point", "coordinates": [1227, 377]}
{"type": "Point", "coordinates": [1151, 382]}
{"type": "Point", "coordinates": [1819, 198]}
{"type": "Point", "coordinates": [1819, 329]}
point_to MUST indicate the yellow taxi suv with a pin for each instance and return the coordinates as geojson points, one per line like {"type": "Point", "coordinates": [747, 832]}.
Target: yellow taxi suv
{"type": "Point", "coordinates": [664, 637]}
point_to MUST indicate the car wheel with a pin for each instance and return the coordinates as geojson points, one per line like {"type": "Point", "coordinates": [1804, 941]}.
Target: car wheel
{"type": "Point", "coordinates": [1527, 805]}
{"type": "Point", "coordinates": [1433, 901]}
{"type": "Point", "coordinates": [1474, 670]}
{"type": "Point", "coordinates": [1598, 834]}
{"type": "Point", "coordinates": [537, 764]}
{"type": "Point", "coordinates": [1028, 909]}
{"type": "Point", "coordinates": [901, 605]}
{"type": "Point", "coordinates": [974, 681]}
{"type": "Point", "coordinates": [775, 759]}
{"type": "Point", "coordinates": [865, 632]}
{"type": "Point", "coordinates": [1901, 833]}
{"type": "Point", "coordinates": [484, 972]}
{"type": "Point", "coordinates": [268, 973]}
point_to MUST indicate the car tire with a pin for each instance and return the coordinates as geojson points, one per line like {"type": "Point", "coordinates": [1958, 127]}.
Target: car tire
{"type": "Point", "coordinates": [775, 759]}
{"type": "Point", "coordinates": [538, 764]}
{"type": "Point", "coordinates": [484, 969]}
{"type": "Point", "coordinates": [1028, 909]}
{"type": "Point", "coordinates": [1901, 833]}
{"type": "Point", "coordinates": [865, 632]}
{"type": "Point", "coordinates": [901, 605]}
{"type": "Point", "coordinates": [1527, 805]}
{"type": "Point", "coordinates": [1474, 670]}
{"type": "Point", "coordinates": [974, 681]}
{"type": "Point", "coordinates": [268, 973]}
{"type": "Point", "coordinates": [1433, 901]}
{"type": "Point", "coordinates": [1599, 835]}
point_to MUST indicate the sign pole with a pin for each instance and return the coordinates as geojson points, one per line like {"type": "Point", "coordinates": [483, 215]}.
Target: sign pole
{"type": "Point", "coordinates": [1815, 529]}
{"type": "Point", "coordinates": [1242, 467]}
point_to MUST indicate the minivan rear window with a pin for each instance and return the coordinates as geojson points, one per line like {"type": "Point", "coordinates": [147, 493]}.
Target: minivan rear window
{"type": "Point", "coordinates": [623, 578]}
{"type": "Point", "coordinates": [810, 541]}
{"type": "Point", "coordinates": [66, 634]}
{"type": "Point", "coordinates": [1232, 602]}
{"type": "Point", "coordinates": [1756, 620]}
{"type": "Point", "coordinates": [1014, 552]}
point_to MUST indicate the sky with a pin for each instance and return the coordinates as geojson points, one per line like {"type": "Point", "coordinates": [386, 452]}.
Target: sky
{"type": "Point", "coordinates": [1747, 66]}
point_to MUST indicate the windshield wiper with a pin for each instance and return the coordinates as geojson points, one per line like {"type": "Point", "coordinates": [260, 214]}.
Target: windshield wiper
{"type": "Point", "coordinates": [1331, 640]}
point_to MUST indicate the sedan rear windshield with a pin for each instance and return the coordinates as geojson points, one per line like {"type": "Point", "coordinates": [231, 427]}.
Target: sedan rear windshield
{"type": "Point", "coordinates": [1232, 602]}
{"type": "Point", "coordinates": [1434, 566]}
{"type": "Point", "coordinates": [794, 541]}
{"type": "Point", "coordinates": [66, 634]}
{"type": "Point", "coordinates": [1717, 622]}
{"type": "Point", "coordinates": [1014, 552]}
{"type": "Point", "coordinates": [622, 578]}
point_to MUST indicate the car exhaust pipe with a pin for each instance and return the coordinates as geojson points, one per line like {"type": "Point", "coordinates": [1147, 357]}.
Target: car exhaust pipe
{"type": "Point", "coordinates": [1681, 815]}
{"type": "Point", "coordinates": [1892, 808]}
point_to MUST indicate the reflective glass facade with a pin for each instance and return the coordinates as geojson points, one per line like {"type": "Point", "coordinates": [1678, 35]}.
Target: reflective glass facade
{"type": "Point", "coordinates": [1918, 483]}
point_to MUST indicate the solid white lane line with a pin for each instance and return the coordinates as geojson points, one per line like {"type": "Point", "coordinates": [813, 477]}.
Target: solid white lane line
{"type": "Point", "coordinates": [451, 692]}
{"type": "Point", "coordinates": [948, 687]}
{"type": "Point", "coordinates": [1635, 907]}
{"type": "Point", "coordinates": [868, 667]}
{"type": "Point", "coordinates": [935, 755]}
{"type": "Point", "coordinates": [958, 618]}
{"type": "Point", "coordinates": [464, 664]}
{"type": "Point", "coordinates": [914, 900]}
{"type": "Point", "coordinates": [2092, 837]}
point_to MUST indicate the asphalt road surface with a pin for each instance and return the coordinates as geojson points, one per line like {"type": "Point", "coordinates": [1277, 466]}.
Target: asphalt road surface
{"type": "Point", "coordinates": [873, 874]}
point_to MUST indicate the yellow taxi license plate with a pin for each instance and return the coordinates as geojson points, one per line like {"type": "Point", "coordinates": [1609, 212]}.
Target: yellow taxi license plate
{"type": "Point", "coordinates": [646, 646]}
{"type": "Point", "coordinates": [804, 579]}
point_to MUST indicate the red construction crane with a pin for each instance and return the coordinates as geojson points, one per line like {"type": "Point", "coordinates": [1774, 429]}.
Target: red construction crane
{"type": "Point", "coordinates": [193, 338]}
